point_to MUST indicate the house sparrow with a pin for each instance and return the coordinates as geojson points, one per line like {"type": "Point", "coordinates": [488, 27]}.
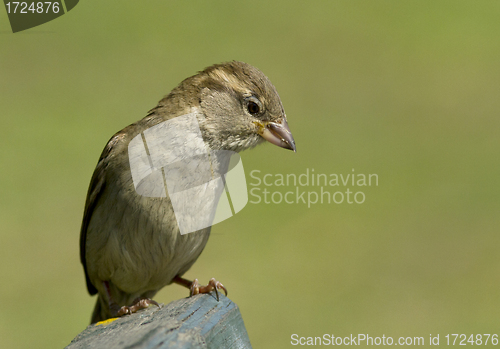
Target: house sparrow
{"type": "Point", "coordinates": [130, 245]}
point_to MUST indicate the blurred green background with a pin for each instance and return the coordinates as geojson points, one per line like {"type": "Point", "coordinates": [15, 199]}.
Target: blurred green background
{"type": "Point", "coordinates": [408, 90]}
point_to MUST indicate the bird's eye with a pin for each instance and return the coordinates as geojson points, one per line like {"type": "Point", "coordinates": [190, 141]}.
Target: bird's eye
{"type": "Point", "coordinates": [254, 106]}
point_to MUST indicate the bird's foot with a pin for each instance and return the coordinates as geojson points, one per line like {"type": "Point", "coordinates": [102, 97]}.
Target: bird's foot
{"type": "Point", "coordinates": [212, 285]}
{"type": "Point", "coordinates": [195, 287]}
{"type": "Point", "coordinates": [138, 305]}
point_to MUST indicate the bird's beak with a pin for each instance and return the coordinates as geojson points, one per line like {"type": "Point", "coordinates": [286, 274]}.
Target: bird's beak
{"type": "Point", "coordinates": [277, 133]}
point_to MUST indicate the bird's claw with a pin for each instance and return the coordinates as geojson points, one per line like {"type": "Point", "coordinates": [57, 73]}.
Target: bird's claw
{"type": "Point", "coordinates": [212, 285]}
{"type": "Point", "coordinates": [138, 305]}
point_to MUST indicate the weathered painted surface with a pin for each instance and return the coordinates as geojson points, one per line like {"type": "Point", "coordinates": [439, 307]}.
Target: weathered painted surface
{"type": "Point", "coordinates": [196, 322]}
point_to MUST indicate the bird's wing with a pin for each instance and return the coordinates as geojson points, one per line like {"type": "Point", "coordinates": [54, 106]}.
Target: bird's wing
{"type": "Point", "coordinates": [96, 188]}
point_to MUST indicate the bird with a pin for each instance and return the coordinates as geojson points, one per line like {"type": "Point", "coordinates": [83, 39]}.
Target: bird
{"type": "Point", "coordinates": [130, 244]}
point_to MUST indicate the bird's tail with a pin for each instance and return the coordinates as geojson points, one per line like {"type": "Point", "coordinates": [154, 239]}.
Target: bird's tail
{"type": "Point", "coordinates": [101, 311]}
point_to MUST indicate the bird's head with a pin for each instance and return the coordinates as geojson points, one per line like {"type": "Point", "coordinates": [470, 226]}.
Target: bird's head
{"type": "Point", "coordinates": [240, 108]}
